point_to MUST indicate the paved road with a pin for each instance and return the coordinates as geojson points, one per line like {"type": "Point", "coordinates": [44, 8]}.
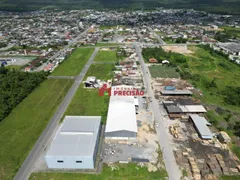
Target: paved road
{"type": "Point", "coordinates": [168, 156]}
{"type": "Point", "coordinates": [26, 168]}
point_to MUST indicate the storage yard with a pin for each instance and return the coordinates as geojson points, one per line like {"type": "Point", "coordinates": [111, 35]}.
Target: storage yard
{"type": "Point", "coordinates": [199, 148]}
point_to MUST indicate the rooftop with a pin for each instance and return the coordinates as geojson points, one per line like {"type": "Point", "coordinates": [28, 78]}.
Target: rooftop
{"type": "Point", "coordinates": [121, 114]}
{"type": "Point", "coordinates": [76, 137]}
{"type": "Point", "coordinates": [176, 92]}
{"type": "Point", "coordinates": [201, 125]}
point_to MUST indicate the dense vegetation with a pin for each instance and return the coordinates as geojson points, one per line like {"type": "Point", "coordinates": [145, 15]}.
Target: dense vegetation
{"type": "Point", "coordinates": [160, 55]}
{"type": "Point", "coordinates": [228, 33]}
{"type": "Point", "coordinates": [15, 86]}
{"type": "Point", "coordinates": [221, 6]}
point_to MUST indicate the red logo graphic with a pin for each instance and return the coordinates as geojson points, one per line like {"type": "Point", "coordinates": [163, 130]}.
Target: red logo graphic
{"type": "Point", "coordinates": [104, 91]}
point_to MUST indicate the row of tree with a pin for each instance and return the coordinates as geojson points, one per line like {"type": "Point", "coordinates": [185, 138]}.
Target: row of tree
{"type": "Point", "coordinates": [15, 86]}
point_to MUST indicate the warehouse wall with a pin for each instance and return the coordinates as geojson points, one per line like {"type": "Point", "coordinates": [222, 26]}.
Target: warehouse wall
{"type": "Point", "coordinates": [70, 162]}
{"type": "Point", "coordinates": [121, 135]}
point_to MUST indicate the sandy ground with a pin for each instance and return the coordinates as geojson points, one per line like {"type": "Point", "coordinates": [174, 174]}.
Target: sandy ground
{"type": "Point", "coordinates": [178, 49]}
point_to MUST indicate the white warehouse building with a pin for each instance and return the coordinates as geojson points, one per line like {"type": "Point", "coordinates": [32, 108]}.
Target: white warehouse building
{"type": "Point", "coordinates": [75, 144]}
{"type": "Point", "coordinates": [121, 118]}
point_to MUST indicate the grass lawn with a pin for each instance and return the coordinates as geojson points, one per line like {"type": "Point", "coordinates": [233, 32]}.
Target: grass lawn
{"type": "Point", "coordinates": [208, 66]}
{"type": "Point", "coordinates": [106, 56]}
{"type": "Point", "coordinates": [20, 130]}
{"type": "Point", "coordinates": [230, 178]}
{"type": "Point", "coordinates": [103, 27]}
{"type": "Point", "coordinates": [73, 65]}
{"type": "Point", "coordinates": [102, 44]}
{"type": "Point", "coordinates": [160, 33]}
{"type": "Point", "coordinates": [87, 102]}
{"type": "Point", "coordinates": [123, 32]}
{"type": "Point", "coordinates": [14, 67]}
{"type": "Point", "coordinates": [168, 41]}
{"type": "Point", "coordinates": [125, 172]}
{"type": "Point", "coordinates": [108, 44]}
{"type": "Point", "coordinates": [163, 71]}
{"type": "Point", "coordinates": [100, 71]}
{"type": "Point", "coordinates": [232, 30]}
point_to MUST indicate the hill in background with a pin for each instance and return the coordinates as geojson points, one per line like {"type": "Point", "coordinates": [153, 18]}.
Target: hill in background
{"type": "Point", "coordinates": [222, 6]}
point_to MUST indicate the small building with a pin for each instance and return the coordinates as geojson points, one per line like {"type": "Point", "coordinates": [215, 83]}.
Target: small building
{"type": "Point", "coordinates": [165, 62]}
{"type": "Point", "coordinates": [200, 124]}
{"type": "Point", "coordinates": [193, 109]}
{"type": "Point", "coordinates": [75, 144]}
{"type": "Point", "coordinates": [91, 82]}
{"type": "Point", "coordinates": [170, 88]}
{"type": "Point", "coordinates": [153, 60]}
{"type": "Point", "coordinates": [224, 137]}
{"type": "Point", "coordinates": [176, 93]}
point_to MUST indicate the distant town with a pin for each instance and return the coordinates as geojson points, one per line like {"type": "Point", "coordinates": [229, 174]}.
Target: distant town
{"type": "Point", "coordinates": [89, 94]}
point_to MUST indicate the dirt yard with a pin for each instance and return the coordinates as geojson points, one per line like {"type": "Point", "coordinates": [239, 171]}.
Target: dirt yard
{"type": "Point", "coordinates": [178, 49]}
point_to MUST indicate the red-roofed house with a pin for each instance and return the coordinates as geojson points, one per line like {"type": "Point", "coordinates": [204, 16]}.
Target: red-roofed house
{"type": "Point", "coordinates": [153, 60]}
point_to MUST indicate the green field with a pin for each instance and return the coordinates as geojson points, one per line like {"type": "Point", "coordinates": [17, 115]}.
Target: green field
{"type": "Point", "coordinates": [232, 30]}
{"type": "Point", "coordinates": [107, 44]}
{"type": "Point", "coordinates": [230, 178]}
{"type": "Point", "coordinates": [106, 56]}
{"type": "Point", "coordinates": [20, 130]}
{"type": "Point", "coordinates": [125, 172]}
{"type": "Point", "coordinates": [103, 27]}
{"type": "Point", "coordinates": [160, 33]}
{"type": "Point", "coordinates": [163, 71]}
{"type": "Point", "coordinates": [87, 102]}
{"type": "Point", "coordinates": [212, 66]}
{"type": "Point", "coordinates": [14, 67]}
{"type": "Point", "coordinates": [73, 65]}
{"type": "Point", "coordinates": [100, 71]}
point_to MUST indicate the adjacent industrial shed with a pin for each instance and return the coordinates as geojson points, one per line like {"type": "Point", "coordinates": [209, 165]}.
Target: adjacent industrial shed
{"type": "Point", "coordinates": [75, 144]}
{"type": "Point", "coordinates": [200, 123]}
{"type": "Point", "coordinates": [176, 92]}
{"type": "Point", "coordinates": [121, 118]}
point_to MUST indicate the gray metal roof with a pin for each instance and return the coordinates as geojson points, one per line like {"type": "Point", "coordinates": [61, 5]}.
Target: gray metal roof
{"type": "Point", "coordinates": [174, 109]}
{"type": "Point", "coordinates": [176, 92]}
{"type": "Point", "coordinates": [201, 125]}
{"type": "Point", "coordinates": [77, 136]}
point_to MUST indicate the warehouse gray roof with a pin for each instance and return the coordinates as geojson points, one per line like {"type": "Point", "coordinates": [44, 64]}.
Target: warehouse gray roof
{"type": "Point", "coordinates": [201, 125]}
{"type": "Point", "coordinates": [176, 92]}
{"type": "Point", "coordinates": [77, 136]}
{"type": "Point", "coordinates": [173, 109]}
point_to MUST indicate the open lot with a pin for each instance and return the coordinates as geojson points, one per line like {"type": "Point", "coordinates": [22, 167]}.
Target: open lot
{"type": "Point", "coordinates": [122, 172]}
{"type": "Point", "coordinates": [163, 71]}
{"type": "Point", "coordinates": [20, 130]}
{"type": "Point", "coordinates": [224, 73]}
{"type": "Point", "coordinates": [87, 102]}
{"type": "Point", "coordinates": [177, 49]}
{"type": "Point", "coordinates": [100, 71]}
{"type": "Point", "coordinates": [106, 56]}
{"type": "Point", "coordinates": [73, 65]}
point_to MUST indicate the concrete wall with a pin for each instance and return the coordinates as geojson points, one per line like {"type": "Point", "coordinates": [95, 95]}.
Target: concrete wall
{"type": "Point", "coordinates": [97, 144]}
{"type": "Point", "coordinates": [70, 162]}
{"type": "Point", "coordinates": [121, 135]}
